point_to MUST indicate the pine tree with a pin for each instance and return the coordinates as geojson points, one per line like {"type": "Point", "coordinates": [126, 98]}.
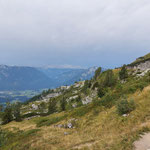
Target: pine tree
{"type": "Point", "coordinates": [16, 111]}
{"type": "Point", "coordinates": [101, 92]}
{"type": "Point", "coordinates": [63, 104]}
{"type": "Point", "coordinates": [52, 106]}
{"type": "Point", "coordinates": [42, 107]}
{"type": "Point", "coordinates": [109, 80]}
{"type": "Point", "coordinates": [7, 117]}
{"type": "Point", "coordinates": [123, 74]}
{"type": "Point", "coordinates": [1, 108]}
{"type": "Point", "coordinates": [97, 73]}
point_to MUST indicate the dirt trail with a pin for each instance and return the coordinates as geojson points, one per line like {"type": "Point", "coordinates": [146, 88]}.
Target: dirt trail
{"type": "Point", "coordinates": [143, 143]}
{"type": "Point", "coordinates": [87, 144]}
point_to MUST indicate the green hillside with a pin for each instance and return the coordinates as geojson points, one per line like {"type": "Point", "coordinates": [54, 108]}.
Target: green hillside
{"type": "Point", "coordinates": [141, 59]}
{"type": "Point", "coordinates": [108, 112]}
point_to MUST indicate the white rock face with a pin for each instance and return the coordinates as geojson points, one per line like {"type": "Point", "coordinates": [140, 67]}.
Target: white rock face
{"type": "Point", "coordinates": [143, 73]}
{"type": "Point", "coordinates": [35, 107]}
{"type": "Point", "coordinates": [87, 100]}
{"type": "Point", "coordinates": [52, 95]}
{"type": "Point", "coordinates": [79, 84]}
{"type": "Point", "coordinates": [64, 87]}
{"type": "Point", "coordinates": [142, 66]}
{"type": "Point", "coordinates": [71, 98]}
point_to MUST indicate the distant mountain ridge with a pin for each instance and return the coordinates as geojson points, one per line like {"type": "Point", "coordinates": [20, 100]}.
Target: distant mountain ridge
{"type": "Point", "coordinates": [31, 78]}
{"type": "Point", "coordinates": [22, 78]}
{"type": "Point", "coordinates": [67, 76]}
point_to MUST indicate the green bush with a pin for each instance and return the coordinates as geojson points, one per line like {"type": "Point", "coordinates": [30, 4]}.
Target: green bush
{"type": "Point", "coordinates": [81, 111]}
{"type": "Point", "coordinates": [101, 92]}
{"type": "Point", "coordinates": [49, 121]}
{"type": "Point", "coordinates": [52, 106]}
{"type": "Point", "coordinates": [95, 85]}
{"type": "Point", "coordinates": [109, 100]}
{"type": "Point", "coordinates": [125, 107]}
{"type": "Point", "coordinates": [123, 74]}
{"type": "Point", "coordinates": [30, 115]}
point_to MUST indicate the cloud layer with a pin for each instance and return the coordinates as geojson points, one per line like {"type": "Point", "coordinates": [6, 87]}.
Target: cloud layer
{"type": "Point", "coordinates": [74, 32]}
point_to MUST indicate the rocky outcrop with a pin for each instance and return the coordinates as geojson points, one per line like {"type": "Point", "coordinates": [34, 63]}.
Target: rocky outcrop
{"type": "Point", "coordinates": [140, 66]}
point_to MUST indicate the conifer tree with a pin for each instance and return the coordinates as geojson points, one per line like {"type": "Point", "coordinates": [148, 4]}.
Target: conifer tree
{"type": "Point", "coordinates": [16, 111]}
{"type": "Point", "coordinates": [123, 74]}
{"type": "Point", "coordinates": [109, 80]}
{"type": "Point", "coordinates": [97, 73]}
{"type": "Point", "coordinates": [52, 106]}
{"type": "Point", "coordinates": [7, 116]}
{"type": "Point", "coordinates": [63, 104]}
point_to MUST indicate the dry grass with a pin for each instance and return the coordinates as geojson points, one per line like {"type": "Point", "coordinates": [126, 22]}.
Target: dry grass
{"type": "Point", "coordinates": [105, 131]}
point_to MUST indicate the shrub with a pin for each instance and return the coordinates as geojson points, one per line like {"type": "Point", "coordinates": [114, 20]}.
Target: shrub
{"type": "Point", "coordinates": [63, 104]}
{"type": "Point", "coordinates": [125, 107]}
{"type": "Point", "coordinates": [95, 85]}
{"type": "Point", "coordinates": [108, 101]}
{"type": "Point", "coordinates": [7, 116]}
{"type": "Point", "coordinates": [81, 111]}
{"type": "Point", "coordinates": [30, 115]}
{"type": "Point", "coordinates": [123, 74]}
{"type": "Point", "coordinates": [109, 80]}
{"type": "Point", "coordinates": [49, 121]}
{"type": "Point", "coordinates": [101, 92]}
{"type": "Point", "coordinates": [52, 106]}
{"type": "Point", "coordinates": [97, 73]}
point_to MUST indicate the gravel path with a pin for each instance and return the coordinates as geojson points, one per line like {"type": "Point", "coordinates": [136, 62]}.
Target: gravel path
{"type": "Point", "coordinates": [143, 143]}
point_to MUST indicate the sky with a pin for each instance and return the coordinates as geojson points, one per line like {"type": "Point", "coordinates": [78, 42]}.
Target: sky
{"type": "Point", "coordinates": [73, 33]}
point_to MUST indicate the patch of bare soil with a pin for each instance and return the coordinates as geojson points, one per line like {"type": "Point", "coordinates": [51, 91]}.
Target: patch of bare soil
{"type": "Point", "coordinates": [143, 143]}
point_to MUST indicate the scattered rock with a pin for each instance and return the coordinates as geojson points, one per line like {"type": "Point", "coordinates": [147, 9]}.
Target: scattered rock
{"type": "Point", "coordinates": [66, 133]}
{"type": "Point", "coordinates": [29, 118]}
{"type": "Point", "coordinates": [69, 125]}
{"type": "Point", "coordinates": [125, 115]}
{"type": "Point", "coordinates": [87, 100]}
{"type": "Point", "coordinates": [35, 107]}
{"type": "Point", "coordinates": [74, 105]}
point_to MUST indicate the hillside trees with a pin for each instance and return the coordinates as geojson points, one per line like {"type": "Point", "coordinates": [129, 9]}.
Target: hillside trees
{"type": "Point", "coordinates": [87, 84]}
{"type": "Point", "coordinates": [101, 91]}
{"type": "Point", "coordinates": [1, 108]}
{"type": "Point", "coordinates": [16, 111]}
{"type": "Point", "coordinates": [125, 106]}
{"type": "Point", "coordinates": [97, 73]}
{"type": "Point", "coordinates": [7, 116]}
{"type": "Point", "coordinates": [42, 107]}
{"type": "Point", "coordinates": [63, 104]}
{"type": "Point", "coordinates": [123, 74]}
{"type": "Point", "coordinates": [109, 79]}
{"type": "Point", "coordinates": [52, 106]}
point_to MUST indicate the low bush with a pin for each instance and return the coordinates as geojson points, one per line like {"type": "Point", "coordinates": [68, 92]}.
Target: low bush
{"type": "Point", "coordinates": [49, 121]}
{"type": "Point", "coordinates": [125, 107]}
{"type": "Point", "coordinates": [30, 115]}
{"type": "Point", "coordinates": [81, 111]}
{"type": "Point", "coordinates": [109, 100]}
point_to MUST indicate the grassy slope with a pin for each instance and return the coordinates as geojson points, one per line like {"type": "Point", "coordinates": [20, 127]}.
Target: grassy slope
{"type": "Point", "coordinates": [141, 59]}
{"type": "Point", "coordinates": [102, 131]}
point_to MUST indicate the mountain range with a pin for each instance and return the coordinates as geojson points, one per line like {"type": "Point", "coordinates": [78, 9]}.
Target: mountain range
{"type": "Point", "coordinates": [31, 78]}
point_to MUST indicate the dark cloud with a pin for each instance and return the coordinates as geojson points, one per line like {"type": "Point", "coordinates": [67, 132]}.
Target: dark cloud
{"type": "Point", "coordinates": [74, 32]}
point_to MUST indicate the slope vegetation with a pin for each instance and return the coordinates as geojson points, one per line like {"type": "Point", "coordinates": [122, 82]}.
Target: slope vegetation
{"type": "Point", "coordinates": [108, 112]}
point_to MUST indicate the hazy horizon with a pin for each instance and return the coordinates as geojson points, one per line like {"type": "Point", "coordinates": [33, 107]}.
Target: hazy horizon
{"type": "Point", "coordinates": [73, 33]}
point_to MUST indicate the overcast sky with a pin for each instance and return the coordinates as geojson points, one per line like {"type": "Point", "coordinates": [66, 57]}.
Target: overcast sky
{"type": "Point", "coordinates": [83, 33]}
